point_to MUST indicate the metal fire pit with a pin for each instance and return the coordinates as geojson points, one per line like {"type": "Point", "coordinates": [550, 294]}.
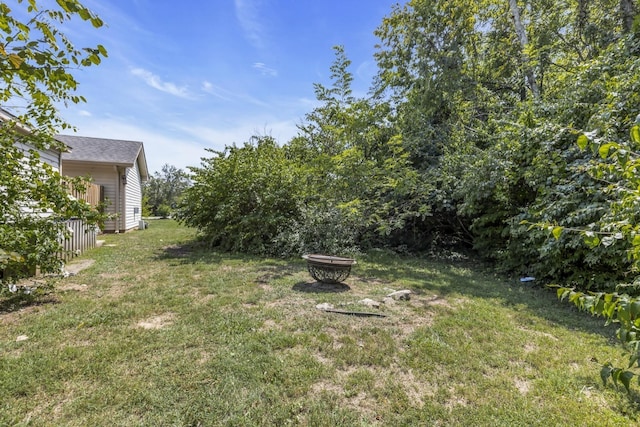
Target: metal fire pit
{"type": "Point", "coordinates": [328, 269]}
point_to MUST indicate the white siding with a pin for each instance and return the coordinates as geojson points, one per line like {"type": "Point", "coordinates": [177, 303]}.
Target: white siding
{"type": "Point", "coordinates": [107, 176]}
{"type": "Point", "coordinates": [133, 200]}
{"type": "Point", "coordinates": [128, 195]}
{"type": "Point", "coordinates": [51, 157]}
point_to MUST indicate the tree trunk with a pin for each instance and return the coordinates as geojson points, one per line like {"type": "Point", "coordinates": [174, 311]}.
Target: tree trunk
{"type": "Point", "coordinates": [522, 36]}
{"type": "Point", "coordinates": [627, 15]}
{"type": "Point", "coordinates": [583, 15]}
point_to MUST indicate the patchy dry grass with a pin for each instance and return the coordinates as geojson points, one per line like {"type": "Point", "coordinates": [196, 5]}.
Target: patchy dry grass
{"type": "Point", "coordinates": [161, 331]}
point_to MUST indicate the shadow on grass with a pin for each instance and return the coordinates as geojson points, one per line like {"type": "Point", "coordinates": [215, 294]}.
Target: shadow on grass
{"type": "Point", "coordinates": [20, 301]}
{"type": "Point", "coordinates": [193, 252]}
{"type": "Point", "coordinates": [320, 287]}
{"type": "Point", "coordinates": [460, 278]}
{"type": "Point", "coordinates": [425, 275]}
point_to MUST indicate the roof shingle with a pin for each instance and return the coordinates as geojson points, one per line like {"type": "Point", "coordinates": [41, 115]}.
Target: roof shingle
{"type": "Point", "coordinates": [100, 150]}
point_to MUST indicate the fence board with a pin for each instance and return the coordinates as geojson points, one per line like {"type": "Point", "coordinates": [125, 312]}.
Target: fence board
{"type": "Point", "coordinates": [83, 238]}
{"type": "Point", "coordinates": [92, 195]}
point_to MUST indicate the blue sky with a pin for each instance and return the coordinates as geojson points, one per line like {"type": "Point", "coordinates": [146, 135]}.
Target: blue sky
{"type": "Point", "coordinates": [182, 76]}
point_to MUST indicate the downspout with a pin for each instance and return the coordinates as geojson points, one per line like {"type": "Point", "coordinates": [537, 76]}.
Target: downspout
{"type": "Point", "coordinates": [118, 199]}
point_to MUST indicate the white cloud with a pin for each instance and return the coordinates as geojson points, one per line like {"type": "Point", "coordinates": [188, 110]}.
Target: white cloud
{"type": "Point", "coordinates": [248, 14]}
{"type": "Point", "coordinates": [264, 70]}
{"type": "Point", "coordinates": [216, 91]}
{"type": "Point", "coordinates": [156, 82]}
{"type": "Point", "coordinates": [227, 95]}
{"type": "Point", "coordinates": [84, 113]}
{"type": "Point", "coordinates": [182, 143]}
{"type": "Point", "coordinates": [239, 133]}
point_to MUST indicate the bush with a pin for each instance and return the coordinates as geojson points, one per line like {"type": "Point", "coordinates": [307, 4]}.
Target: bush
{"type": "Point", "coordinates": [163, 211]}
{"type": "Point", "coordinates": [319, 229]}
{"type": "Point", "coordinates": [242, 196]}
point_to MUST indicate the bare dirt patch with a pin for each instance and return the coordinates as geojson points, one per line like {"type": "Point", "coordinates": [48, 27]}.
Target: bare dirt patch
{"type": "Point", "coordinates": [367, 402]}
{"type": "Point", "coordinates": [112, 275]}
{"type": "Point", "coordinates": [73, 287]}
{"type": "Point", "coordinates": [522, 385]}
{"type": "Point", "coordinates": [76, 267]}
{"type": "Point", "coordinates": [157, 322]}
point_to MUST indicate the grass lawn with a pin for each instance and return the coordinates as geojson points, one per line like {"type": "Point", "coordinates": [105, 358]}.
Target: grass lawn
{"type": "Point", "coordinates": [160, 332]}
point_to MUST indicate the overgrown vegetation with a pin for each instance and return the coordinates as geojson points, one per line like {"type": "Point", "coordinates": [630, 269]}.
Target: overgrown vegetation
{"type": "Point", "coordinates": [468, 136]}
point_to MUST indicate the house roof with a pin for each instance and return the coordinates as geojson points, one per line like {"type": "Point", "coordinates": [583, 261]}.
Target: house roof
{"type": "Point", "coordinates": [105, 151]}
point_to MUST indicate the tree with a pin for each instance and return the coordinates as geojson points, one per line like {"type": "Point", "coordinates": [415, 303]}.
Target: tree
{"type": "Point", "coordinates": [36, 60]}
{"type": "Point", "coordinates": [524, 44]}
{"type": "Point", "coordinates": [621, 224]}
{"type": "Point", "coordinates": [163, 191]}
{"type": "Point", "coordinates": [36, 65]}
{"type": "Point", "coordinates": [356, 164]}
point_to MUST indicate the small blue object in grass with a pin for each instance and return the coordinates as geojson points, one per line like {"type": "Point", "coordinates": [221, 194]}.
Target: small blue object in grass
{"type": "Point", "coordinates": [527, 279]}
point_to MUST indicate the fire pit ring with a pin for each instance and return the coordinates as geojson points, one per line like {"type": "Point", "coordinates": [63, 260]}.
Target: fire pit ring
{"type": "Point", "coordinates": [329, 269]}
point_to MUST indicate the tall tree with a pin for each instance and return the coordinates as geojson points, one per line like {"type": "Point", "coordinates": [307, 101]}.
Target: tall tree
{"type": "Point", "coordinates": [524, 46]}
{"type": "Point", "coordinates": [164, 189]}
{"type": "Point", "coordinates": [627, 15]}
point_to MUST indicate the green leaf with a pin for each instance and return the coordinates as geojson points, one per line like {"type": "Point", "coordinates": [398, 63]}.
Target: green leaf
{"type": "Point", "coordinates": [635, 134]}
{"type": "Point", "coordinates": [633, 359]}
{"type": "Point", "coordinates": [591, 241]}
{"type": "Point", "coordinates": [605, 372]}
{"type": "Point", "coordinates": [604, 150]}
{"type": "Point", "coordinates": [625, 379]}
{"type": "Point", "coordinates": [635, 309]}
{"type": "Point", "coordinates": [557, 231]}
{"type": "Point", "coordinates": [583, 141]}
{"type": "Point", "coordinates": [15, 60]}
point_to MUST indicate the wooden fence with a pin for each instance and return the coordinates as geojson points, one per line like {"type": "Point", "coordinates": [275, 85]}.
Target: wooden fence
{"type": "Point", "coordinates": [92, 194]}
{"type": "Point", "coordinates": [82, 237]}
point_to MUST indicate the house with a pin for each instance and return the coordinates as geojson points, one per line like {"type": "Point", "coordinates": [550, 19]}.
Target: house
{"type": "Point", "coordinates": [119, 166]}
{"type": "Point", "coordinates": [51, 156]}
{"type": "Point", "coordinates": [32, 207]}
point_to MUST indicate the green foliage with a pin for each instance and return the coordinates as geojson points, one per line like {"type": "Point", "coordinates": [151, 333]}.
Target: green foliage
{"type": "Point", "coordinates": [454, 147]}
{"type": "Point", "coordinates": [615, 308]}
{"type": "Point", "coordinates": [35, 63]}
{"type": "Point", "coordinates": [34, 207]}
{"type": "Point", "coordinates": [163, 191]}
{"type": "Point", "coordinates": [319, 229]}
{"type": "Point", "coordinates": [163, 211]}
{"type": "Point", "coordinates": [355, 161]}
{"type": "Point", "coordinates": [242, 196]}
{"type": "Point", "coordinates": [36, 58]}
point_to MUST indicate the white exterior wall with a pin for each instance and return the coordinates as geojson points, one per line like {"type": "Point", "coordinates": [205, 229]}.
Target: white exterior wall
{"type": "Point", "coordinates": [107, 176]}
{"type": "Point", "coordinates": [133, 198]}
{"type": "Point", "coordinates": [51, 157]}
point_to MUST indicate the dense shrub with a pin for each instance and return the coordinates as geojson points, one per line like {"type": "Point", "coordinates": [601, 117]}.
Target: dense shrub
{"type": "Point", "coordinates": [319, 229]}
{"type": "Point", "coordinates": [242, 196]}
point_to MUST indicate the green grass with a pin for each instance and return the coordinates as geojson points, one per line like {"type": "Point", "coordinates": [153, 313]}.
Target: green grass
{"type": "Point", "coordinates": [168, 333]}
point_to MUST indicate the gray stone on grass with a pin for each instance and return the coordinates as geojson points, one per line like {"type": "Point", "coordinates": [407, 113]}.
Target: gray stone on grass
{"type": "Point", "coordinates": [370, 303]}
{"type": "Point", "coordinates": [403, 295]}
